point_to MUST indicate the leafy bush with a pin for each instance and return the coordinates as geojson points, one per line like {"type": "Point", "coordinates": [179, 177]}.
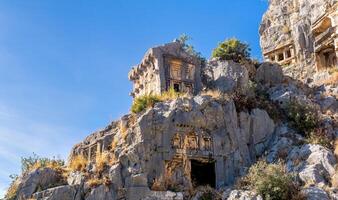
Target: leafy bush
{"type": "Point", "coordinates": [302, 117]}
{"type": "Point", "coordinates": [232, 49]}
{"type": "Point", "coordinates": [144, 102]}
{"type": "Point", "coordinates": [271, 181]}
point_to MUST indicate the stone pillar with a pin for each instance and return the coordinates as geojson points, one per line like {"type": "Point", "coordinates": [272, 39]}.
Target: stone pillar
{"type": "Point", "coordinates": [336, 49]}
{"type": "Point", "coordinates": [285, 54]}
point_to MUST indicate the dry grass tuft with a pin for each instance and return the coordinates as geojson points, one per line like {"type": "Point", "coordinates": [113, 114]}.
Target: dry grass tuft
{"type": "Point", "coordinates": [12, 191]}
{"type": "Point", "coordinates": [333, 79]}
{"type": "Point", "coordinates": [78, 163]}
{"type": "Point", "coordinates": [101, 161]}
{"type": "Point", "coordinates": [216, 94]}
{"type": "Point", "coordinates": [159, 184]}
{"type": "Point", "coordinates": [94, 182]}
{"type": "Point", "coordinates": [336, 148]}
{"type": "Point", "coordinates": [114, 143]}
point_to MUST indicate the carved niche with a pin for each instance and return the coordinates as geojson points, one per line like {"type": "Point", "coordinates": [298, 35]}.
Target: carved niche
{"type": "Point", "coordinates": [191, 141]}
{"type": "Point", "coordinates": [176, 141]}
{"type": "Point", "coordinates": [206, 143]}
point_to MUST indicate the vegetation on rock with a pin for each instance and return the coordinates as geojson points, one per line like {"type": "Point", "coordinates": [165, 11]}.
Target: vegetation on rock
{"type": "Point", "coordinates": [29, 164]}
{"type": "Point", "coordinates": [78, 163]}
{"type": "Point", "coordinates": [271, 181]}
{"type": "Point", "coordinates": [232, 49]}
{"type": "Point", "coordinates": [35, 162]}
{"type": "Point", "coordinates": [302, 117]}
{"type": "Point", "coordinates": [147, 101]}
{"type": "Point", "coordinates": [190, 49]}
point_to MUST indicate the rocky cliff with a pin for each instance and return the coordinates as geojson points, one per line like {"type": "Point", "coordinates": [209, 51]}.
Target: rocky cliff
{"type": "Point", "coordinates": [290, 23]}
{"type": "Point", "coordinates": [212, 145]}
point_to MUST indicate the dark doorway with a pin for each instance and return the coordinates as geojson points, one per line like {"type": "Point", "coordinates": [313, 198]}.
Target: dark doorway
{"type": "Point", "coordinates": [177, 87]}
{"type": "Point", "coordinates": [203, 173]}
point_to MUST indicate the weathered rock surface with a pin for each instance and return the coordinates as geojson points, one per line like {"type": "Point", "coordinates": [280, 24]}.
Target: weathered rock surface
{"type": "Point", "coordinates": [226, 76]}
{"type": "Point", "coordinates": [289, 23]}
{"type": "Point", "coordinates": [186, 128]}
{"type": "Point", "coordinates": [314, 193]}
{"type": "Point", "coordinates": [62, 192]}
{"type": "Point", "coordinates": [314, 164]}
{"type": "Point", "coordinates": [38, 179]}
{"type": "Point", "coordinates": [101, 193]}
{"type": "Point", "coordinates": [268, 73]}
{"type": "Point", "coordinates": [242, 195]}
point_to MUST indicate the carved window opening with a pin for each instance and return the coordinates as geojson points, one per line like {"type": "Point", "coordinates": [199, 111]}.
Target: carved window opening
{"type": "Point", "coordinates": [203, 173]}
{"type": "Point", "coordinates": [288, 53]}
{"type": "Point", "coordinates": [177, 87]}
{"type": "Point", "coordinates": [280, 57]}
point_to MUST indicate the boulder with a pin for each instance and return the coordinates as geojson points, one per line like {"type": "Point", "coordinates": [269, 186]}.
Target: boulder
{"type": "Point", "coordinates": [62, 192]}
{"type": "Point", "coordinates": [75, 178]}
{"type": "Point", "coordinates": [226, 76]}
{"type": "Point", "coordinates": [241, 195]}
{"type": "Point", "coordinates": [314, 163]}
{"type": "Point", "coordinates": [102, 192]}
{"type": "Point", "coordinates": [314, 193]}
{"type": "Point", "coordinates": [164, 195]}
{"type": "Point", "coordinates": [270, 74]}
{"type": "Point", "coordinates": [42, 178]}
{"type": "Point", "coordinates": [116, 176]}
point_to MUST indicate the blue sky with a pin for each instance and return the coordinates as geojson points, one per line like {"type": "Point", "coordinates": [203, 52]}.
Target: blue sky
{"type": "Point", "coordinates": [64, 64]}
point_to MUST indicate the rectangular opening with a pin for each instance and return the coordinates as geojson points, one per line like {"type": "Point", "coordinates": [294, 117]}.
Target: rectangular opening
{"type": "Point", "coordinates": [288, 53]}
{"type": "Point", "coordinates": [203, 173]}
{"type": "Point", "coordinates": [280, 57]}
{"type": "Point", "coordinates": [177, 87]}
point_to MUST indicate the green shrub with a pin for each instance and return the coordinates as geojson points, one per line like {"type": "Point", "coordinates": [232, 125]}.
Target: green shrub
{"type": "Point", "coordinates": [144, 102]}
{"type": "Point", "coordinates": [232, 49]}
{"type": "Point", "coordinates": [319, 136]}
{"type": "Point", "coordinates": [302, 117]}
{"type": "Point", "coordinates": [271, 181]}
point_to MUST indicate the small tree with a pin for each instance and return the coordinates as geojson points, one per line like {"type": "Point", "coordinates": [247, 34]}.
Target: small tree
{"type": "Point", "coordinates": [232, 49]}
{"type": "Point", "coordinates": [190, 49]}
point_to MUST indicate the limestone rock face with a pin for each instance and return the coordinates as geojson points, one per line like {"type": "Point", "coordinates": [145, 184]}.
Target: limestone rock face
{"type": "Point", "coordinates": [226, 76]}
{"type": "Point", "coordinates": [288, 24]}
{"type": "Point", "coordinates": [314, 163]}
{"type": "Point", "coordinates": [159, 145]}
{"type": "Point", "coordinates": [269, 73]}
{"type": "Point", "coordinates": [314, 193]}
{"type": "Point", "coordinates": [243, 195]}
{"type": "Point", "coordinates": [62, 192]}
{"type": "Point", "coordinates": [101, 193]}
